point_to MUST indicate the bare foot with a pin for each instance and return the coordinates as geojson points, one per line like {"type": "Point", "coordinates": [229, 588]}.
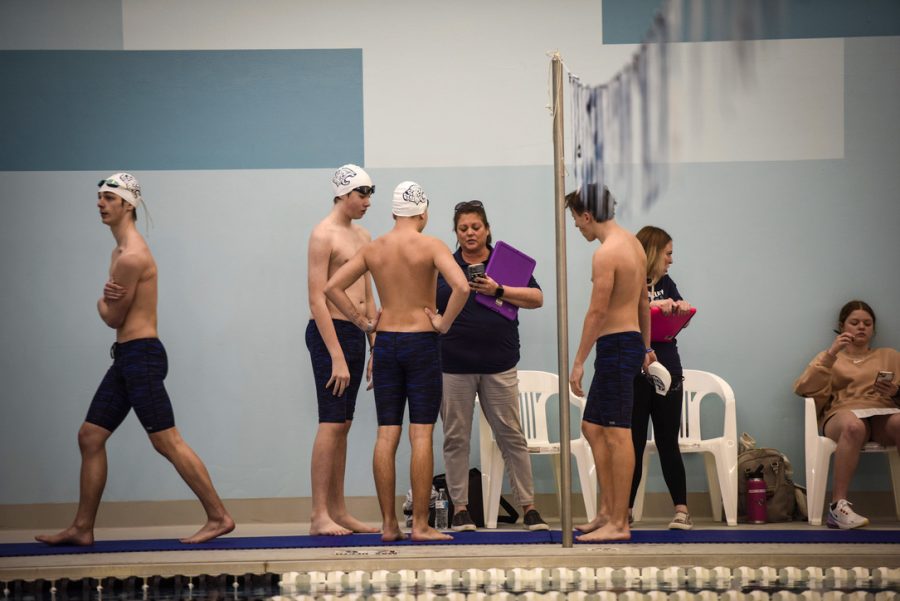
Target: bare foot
{"type": "Point", "coordinates": [597, 522]}
{"type": "Point", "coordinates": [391, 533]}
{"type": "Point", "coordinates": [606, 533]}
{"type": "Point", "coordinates": [69, 536]}
{"type": "Point", "coordinates": [327, 527]}
{"type": "Point", "coordinates": [211, 529]}
{"type": "Point", "coordinates": [354, 525]}
{"type": "Point", "coordinates": [429, 534]}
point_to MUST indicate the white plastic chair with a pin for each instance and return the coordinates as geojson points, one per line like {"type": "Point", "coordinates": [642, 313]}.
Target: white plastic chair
{"type": "Point", "coordinates": [535, 389]}
{"type": "Point", "coordinates": [818, 456]}
{"type": "Point", "coordinates": [720, 453]}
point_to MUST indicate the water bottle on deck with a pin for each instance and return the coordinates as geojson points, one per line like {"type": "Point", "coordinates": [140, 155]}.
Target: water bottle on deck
{"type": "Point", "coordinates": [441, 509]}
{"type": "Point", "coordinates": [756, 497]}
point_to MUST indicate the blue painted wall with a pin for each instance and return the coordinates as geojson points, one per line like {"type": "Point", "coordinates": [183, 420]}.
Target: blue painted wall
{"type": "Point", "coordinates": [248, 109]}
{"type": "Point", "coordinates": [627, 21]}
{"type": "Point", "coordinates": [781, 243]}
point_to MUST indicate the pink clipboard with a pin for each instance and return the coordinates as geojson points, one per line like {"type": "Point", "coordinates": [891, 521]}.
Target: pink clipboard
{"type": "Point", "coordinates": [508, 267]}
{"type": "Point", "coordinates": [664, 328]}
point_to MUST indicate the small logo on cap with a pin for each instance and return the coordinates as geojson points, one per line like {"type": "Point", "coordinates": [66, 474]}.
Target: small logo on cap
{"type": "Point", "coordinates": [130, 182]}
{"type": "Point", "coordinates": [415, 194]}
{"type": "Point", "coordinates": [343, 176]}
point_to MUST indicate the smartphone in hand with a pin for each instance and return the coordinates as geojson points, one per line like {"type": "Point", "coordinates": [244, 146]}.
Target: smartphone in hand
{"type": "Point", "coordinates": [884, 376]}
{"type": "Point", "coordinates": [476, 270]}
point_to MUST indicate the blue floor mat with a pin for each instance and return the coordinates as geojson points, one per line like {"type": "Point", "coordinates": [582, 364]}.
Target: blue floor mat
{"type": "Point", "coordinates": [482, 537]}
{"type": "Point", "coordinates": [763, 536]}
{"type": "Point", "coordinates": [502, 537]}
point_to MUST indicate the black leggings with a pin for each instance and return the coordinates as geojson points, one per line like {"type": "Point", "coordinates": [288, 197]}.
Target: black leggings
{"type": "Point", "coordinates": [665, 411]}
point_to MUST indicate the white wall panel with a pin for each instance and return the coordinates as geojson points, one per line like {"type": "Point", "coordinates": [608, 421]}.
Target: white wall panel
{"type": "Point", "coordinates": [466, 84]}
{"type": "Point", "coordinates": [60, 25]}
{"type": "Point", "coordinates": [787, 105]}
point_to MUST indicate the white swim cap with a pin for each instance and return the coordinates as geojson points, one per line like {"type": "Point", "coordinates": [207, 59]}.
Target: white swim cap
{"type": "Point", "coordinates": [660, 377]}
{"type": "Point", "coordinates": [348, 177]}
{"type": "Point", "coordinates": [409, 200]}
{"type": "Point", "coordinates": [125, 186]}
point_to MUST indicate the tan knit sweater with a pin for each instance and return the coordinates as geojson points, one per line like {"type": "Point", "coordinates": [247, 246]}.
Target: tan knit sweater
{"type": "Point", "coordinates": [847, 383]}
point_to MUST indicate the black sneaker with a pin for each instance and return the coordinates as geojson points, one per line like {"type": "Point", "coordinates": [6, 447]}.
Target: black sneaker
{"type": "Point", "coordinates": [462, 521]}
{"type": "Point", "coordinates": [533, 521]}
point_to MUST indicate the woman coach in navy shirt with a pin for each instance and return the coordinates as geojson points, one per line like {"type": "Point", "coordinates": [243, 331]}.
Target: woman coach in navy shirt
{"type": "Point", "coordinates": [479, 355]}
{"type": "Point", "coordinates": [665, 411]}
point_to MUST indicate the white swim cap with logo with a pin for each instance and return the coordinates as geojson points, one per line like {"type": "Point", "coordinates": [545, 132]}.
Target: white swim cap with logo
{"type": "Point", "coordinates": [409, 200]}
{"type": "Point", "coordinates": [348, 177]}
{"type": "Point", "coordinates": [660, 377]}
{"type": "Point", "coordinates": [125, 186]}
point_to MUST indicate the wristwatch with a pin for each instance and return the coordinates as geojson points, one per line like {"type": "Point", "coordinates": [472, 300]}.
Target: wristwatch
{"type": "Point", "coordinates": [498, 293]}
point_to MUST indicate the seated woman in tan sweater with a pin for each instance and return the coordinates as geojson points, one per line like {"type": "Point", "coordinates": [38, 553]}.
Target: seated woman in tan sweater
{"type": "Point", "coordinates": [854, 404]}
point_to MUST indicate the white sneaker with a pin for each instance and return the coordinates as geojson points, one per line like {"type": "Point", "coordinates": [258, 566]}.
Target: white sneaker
{"type": "Point", "coordinates": [841, 516]}
{"type": "Point", "coordinates": [681, 521]}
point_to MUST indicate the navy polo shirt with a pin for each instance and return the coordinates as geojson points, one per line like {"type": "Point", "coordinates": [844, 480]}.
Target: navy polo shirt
{"type": "Point", "coordinates": [480, 341]}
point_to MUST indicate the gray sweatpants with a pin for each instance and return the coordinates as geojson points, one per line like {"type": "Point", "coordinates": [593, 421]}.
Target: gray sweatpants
{"type": "Point", "coordinates": [498, 395]}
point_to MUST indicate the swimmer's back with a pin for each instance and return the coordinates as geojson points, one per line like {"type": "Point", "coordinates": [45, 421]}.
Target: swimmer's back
{"type": "Point", "coordinates": [402, 264]}
{"type": "Point", "coordinates": [626, 256]}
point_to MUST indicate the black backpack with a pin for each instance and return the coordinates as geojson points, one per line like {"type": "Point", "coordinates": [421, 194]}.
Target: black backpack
{"type": "Point", "coordinates": [476, 506]}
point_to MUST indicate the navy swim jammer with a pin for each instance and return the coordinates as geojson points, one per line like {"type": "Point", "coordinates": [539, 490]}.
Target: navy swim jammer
{"type": "Point", "coordinates": [337, 409]}
{"type": "Point", "coordinates": [407, 366]}
{"type": "Point", "coordinates": [618, 360]}
{"type": "Point", "coordinates": [135, 380]}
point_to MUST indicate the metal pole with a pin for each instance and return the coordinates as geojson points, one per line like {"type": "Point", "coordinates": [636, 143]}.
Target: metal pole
{"type": "Point", "coordinates": [562, 314]}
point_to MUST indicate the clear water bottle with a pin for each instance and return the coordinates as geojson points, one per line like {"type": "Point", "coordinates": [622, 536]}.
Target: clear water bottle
{"type": "Point", "coordinates": [441, 509]}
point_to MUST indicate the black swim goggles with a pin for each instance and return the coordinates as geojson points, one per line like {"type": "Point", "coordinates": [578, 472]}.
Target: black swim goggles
{"type": "Point", "coordinates": [365, 190]}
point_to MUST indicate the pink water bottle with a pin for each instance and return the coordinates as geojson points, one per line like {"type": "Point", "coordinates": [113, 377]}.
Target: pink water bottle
{"type": "Point", "coordinates": [756, 500]}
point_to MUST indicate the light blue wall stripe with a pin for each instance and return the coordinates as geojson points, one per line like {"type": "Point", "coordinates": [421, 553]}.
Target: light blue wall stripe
{"type": "Point", "coordinates": [61, 25]}
{"type": "Point", "coordinates": [627, 21]}
{"type": "Point", "coordinates": [257, 109]}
